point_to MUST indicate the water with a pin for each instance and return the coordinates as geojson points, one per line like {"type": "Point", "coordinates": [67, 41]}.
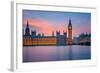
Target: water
{"type": "Point", "coordinates": [55, 53]}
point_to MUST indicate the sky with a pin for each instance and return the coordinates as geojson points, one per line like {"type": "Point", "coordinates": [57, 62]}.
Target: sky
{"type": "Point", "coordinates": [51, 21]}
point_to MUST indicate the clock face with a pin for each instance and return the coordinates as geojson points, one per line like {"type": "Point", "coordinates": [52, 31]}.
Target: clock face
{"type": "Point", "coordinates": [70, 27]}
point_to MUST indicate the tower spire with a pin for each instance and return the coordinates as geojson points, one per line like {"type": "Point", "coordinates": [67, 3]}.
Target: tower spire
{"type": "Point", "coordinates": [27, 23]}
{"type": "Point", "coordinates": [70, 24]}
{"type": "Point", "coordinates": [52, 33]}
{"type": "Point", "coordinates": [27, 30]}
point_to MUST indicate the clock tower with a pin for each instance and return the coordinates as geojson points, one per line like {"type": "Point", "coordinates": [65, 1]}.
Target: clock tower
{"type": "Point", "coordinates": [69, 42]}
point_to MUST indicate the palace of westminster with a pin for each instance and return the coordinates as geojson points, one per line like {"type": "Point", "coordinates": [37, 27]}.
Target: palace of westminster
{"type": "Point", "coordinates": [32, 39]}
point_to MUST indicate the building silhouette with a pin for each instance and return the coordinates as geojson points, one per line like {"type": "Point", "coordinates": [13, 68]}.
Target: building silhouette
{"type": "Point", "coordinates": [61, 39]}
{"type": "Point", "coordinates": [34, 39]}
{"type": "Point", "coordinates": [27, 30]}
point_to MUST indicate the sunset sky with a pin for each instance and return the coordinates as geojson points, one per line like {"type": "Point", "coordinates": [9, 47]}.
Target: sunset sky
{"type": "Point", "coordinates": [47, 21]}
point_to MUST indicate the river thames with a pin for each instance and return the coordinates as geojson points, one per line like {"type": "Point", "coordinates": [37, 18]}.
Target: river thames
{"type": "Point", "coordinates": [56, 53]}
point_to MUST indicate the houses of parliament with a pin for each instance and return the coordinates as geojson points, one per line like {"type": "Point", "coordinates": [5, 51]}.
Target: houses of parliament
{"type": "Point", "coordinates": [34, 39]}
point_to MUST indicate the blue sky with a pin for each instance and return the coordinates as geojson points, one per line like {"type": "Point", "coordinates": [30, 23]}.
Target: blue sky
{"type": "Point", "coordinates": [81, 22]}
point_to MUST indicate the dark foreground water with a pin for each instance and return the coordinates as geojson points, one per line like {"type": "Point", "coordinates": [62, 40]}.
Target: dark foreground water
{"type": "Point", "coordinates": [55, 53]}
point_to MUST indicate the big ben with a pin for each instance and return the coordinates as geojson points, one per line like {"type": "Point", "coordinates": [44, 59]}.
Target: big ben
{"type": "Point", "coordinates": [69, 42]}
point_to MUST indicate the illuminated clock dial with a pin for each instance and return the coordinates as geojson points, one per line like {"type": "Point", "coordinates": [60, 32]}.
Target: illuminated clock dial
{"type": "Point", "coordinates": [70, 27]}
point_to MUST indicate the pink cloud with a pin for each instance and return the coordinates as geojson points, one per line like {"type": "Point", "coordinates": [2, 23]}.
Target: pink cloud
{"type": "Point", "coordinates": [44, 26]}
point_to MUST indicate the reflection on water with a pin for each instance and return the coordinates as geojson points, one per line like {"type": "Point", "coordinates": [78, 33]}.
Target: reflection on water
{"type": "Point", "coordinates": [55, 53]}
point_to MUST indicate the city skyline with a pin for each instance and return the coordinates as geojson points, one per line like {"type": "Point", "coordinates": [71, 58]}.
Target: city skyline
{"type": "Point", "coordinates": [47, 21]}
{"type": "Point", "coordinates": [34, 39]}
